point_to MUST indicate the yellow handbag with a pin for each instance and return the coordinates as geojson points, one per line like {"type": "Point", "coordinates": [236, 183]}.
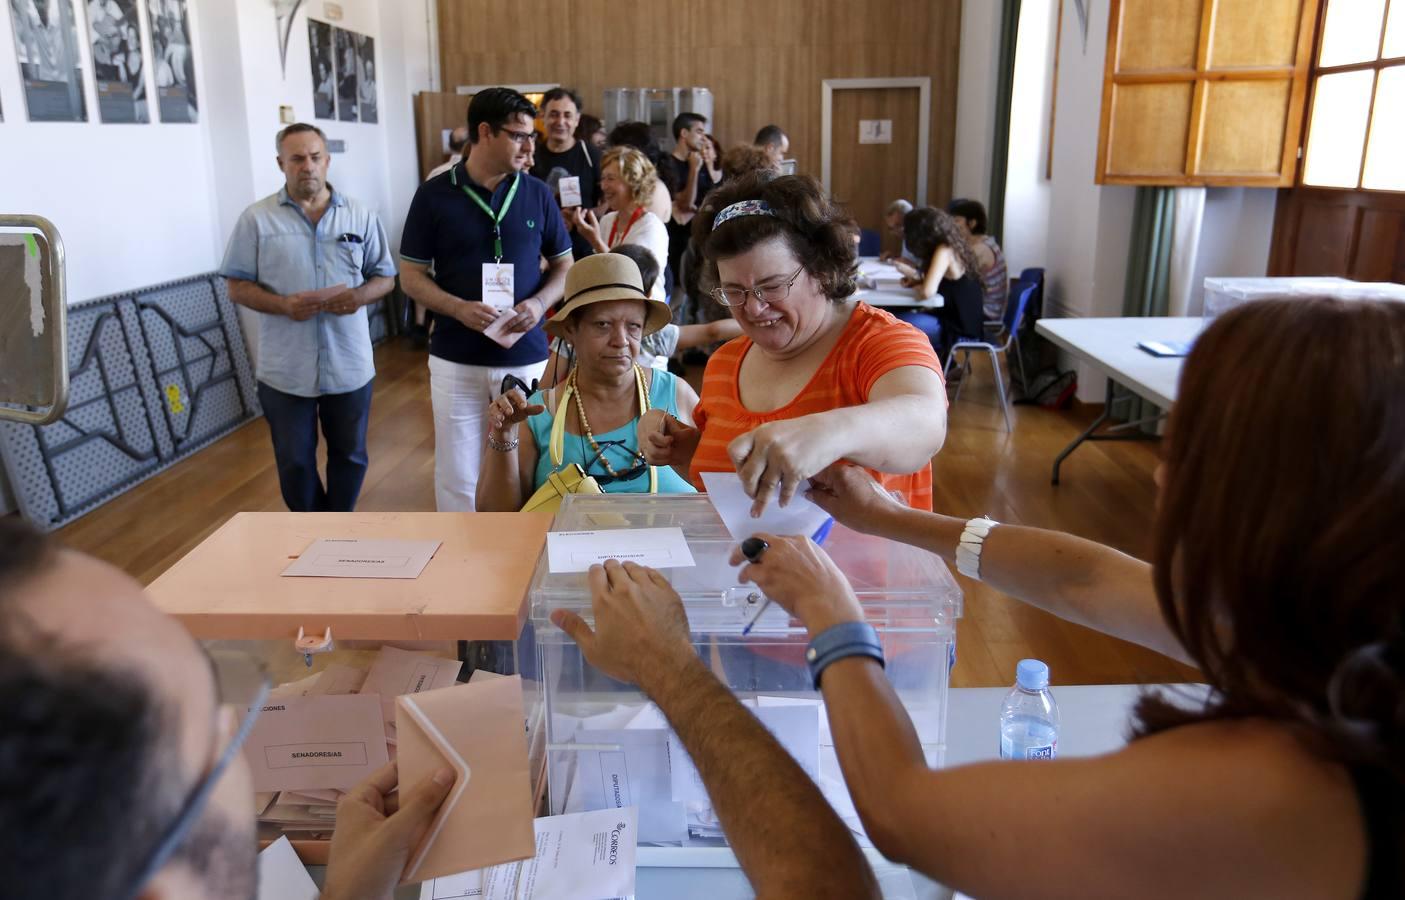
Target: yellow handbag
{"type": "Point", "coordinates": [571, 478]}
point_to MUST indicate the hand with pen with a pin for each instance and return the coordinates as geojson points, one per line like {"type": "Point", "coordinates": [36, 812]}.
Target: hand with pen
{"type": "Point", "coordinates": [797, 574]}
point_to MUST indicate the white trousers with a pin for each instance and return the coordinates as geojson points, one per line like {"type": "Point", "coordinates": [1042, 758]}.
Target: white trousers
{"type": "Point", "coordinates": [460, 395]}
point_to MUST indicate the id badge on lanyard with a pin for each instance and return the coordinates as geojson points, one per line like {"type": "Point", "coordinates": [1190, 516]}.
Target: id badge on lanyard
{"type": "Point", "coordinates": [498, 289]}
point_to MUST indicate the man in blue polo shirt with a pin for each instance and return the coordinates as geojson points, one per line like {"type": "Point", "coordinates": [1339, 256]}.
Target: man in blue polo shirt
{"type": "Point", "coordinates": [485, 226]}
{"type": "Point", "coordinates": [309, 260]}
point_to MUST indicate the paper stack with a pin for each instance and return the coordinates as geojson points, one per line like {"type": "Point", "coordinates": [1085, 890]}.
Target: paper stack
{"type": "Point", "coordinates": [319, 736]}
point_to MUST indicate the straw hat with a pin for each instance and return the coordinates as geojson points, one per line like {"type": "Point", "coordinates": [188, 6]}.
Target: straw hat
{"type": "Point", "coordinates": [601, 278]}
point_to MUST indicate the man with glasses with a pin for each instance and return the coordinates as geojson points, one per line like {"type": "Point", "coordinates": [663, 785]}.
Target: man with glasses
{"type": "Point", "coordinates": [120, 766]}
{"type": "Point", "coordinates": [484, 228]}
{"type": "Point", "coordinates": [564, 158]}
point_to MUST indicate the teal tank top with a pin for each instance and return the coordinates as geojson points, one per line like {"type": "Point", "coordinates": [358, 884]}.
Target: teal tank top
{"type": "Point", "coordinates": [619, 446]}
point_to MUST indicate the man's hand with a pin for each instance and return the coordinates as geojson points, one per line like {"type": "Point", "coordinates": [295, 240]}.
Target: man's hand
{"type": "Point", "coordinates": [526, 314]}
{"type": "Point", "coordinates": [300, 307]}
{"type": "Point", "coordinates": [856, 501]}
{"type": "Point", "coordinates": [695, 161]}
{"type": "Point", "coordinates": [475, 314]}
{"type": "Point", "coordinates": [665, 441]}
{"type": "Point", "coordinates": [801, 577]}
{"type": "Point", "coordinates": [343, 304]}
{"type": "Point", "coordinates": [376, 833]}
{"type": "Point", "coordinates": [641, 630]}
{"type": "Point", "coordinates": [780, 457]}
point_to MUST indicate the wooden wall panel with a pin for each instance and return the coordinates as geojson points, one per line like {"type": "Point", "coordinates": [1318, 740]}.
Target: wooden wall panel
{"type": "Point", "coordinates": [1244, 36]}
{"type": "Point", "coordinates": [1243, 125]}
{"type": "Point", "coordinates": [1150, 136]}
{"type": "Point", "coordinates": [1158, 34]}
{"type": "Point", "coordinates": [433, 113]}
{"type": "Point", "coordinates": [763, 60]}
{"type": "Point", "coordinates": [1354, 234]}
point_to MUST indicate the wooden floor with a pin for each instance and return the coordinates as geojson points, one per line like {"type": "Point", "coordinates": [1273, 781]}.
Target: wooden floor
{"type": "Point", "coordinates": [1107, 495]}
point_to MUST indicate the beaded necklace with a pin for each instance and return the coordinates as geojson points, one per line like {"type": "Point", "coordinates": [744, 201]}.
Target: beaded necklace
{"type": "Point", "coordinates": [585, 423]}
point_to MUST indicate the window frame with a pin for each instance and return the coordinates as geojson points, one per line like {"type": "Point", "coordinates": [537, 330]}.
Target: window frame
{"type": "Point", "coordinates": [1316, 71]}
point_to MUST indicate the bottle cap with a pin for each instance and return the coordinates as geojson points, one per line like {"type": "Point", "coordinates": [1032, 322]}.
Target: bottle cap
{"type": "Point", "coordinates": [1032, 675]}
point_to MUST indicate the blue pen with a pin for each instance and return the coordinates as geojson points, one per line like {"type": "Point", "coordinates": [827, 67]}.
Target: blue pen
{"type": "Point", "coordinates": [753, 553]}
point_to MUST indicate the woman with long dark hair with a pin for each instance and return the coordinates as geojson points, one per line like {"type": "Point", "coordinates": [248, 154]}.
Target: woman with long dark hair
{"type": "Point", "coordinates": [949, 268]}
{"type": "Point", "coordinates": [1277, 562]}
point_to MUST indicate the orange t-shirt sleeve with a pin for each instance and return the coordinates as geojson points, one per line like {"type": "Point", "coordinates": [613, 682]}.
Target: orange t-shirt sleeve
{"type": "Point", "coordinates": [888, 346]}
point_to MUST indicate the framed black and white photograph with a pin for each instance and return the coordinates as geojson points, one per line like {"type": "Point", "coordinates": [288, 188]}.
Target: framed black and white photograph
{"type": "Point", "coordinates": [366, 58]}
{"type": "Point", "coordinates": [345, 48]}
{"type": "Point", "coordinates": [115, 36]}
{"type": "Point", "coordinates": [173, 61]}
{"type": "Point", "coordinates": [324, 83]}
{"type": "Point", "coordinates": [46, 43]}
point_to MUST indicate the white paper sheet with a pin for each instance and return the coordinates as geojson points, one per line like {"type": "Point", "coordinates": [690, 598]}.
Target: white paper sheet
{"type": "Point", "coordinates": [797, 728]}
{"type": "Point", "coordinates": [282, 875]}
{"type": "Point", "coordinates": [358, 558]}
{"type": "Point", "coordinates": [570, 188]}
{"type": "Point", "coordinates": [584, 856]}
{"type": "Point", "coordinates": [324, 294]}
{"type": "Point", "coordinates": [498, 333]}
{"type": "Point", "coordinates": [636, 774]}
{"type": "Point", "coordinates": [577, 551]}
{"type": "Point", "coordinates": [800, 517]}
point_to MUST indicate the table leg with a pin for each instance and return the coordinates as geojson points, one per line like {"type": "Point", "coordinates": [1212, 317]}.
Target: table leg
{"type": "Point", "coordinates": [1109, 435]}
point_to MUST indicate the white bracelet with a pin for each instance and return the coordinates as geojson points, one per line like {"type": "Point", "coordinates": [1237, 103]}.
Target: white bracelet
{"type": "Point", "coordinates": [968, 551]}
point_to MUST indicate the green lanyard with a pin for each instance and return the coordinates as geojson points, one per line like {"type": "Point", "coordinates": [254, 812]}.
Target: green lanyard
{"type": "Point", "coordinates": [501, 214]}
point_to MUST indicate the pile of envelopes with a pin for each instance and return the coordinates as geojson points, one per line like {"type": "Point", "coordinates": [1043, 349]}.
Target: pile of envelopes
{"type": "Point", "coordinates": [318, 737]}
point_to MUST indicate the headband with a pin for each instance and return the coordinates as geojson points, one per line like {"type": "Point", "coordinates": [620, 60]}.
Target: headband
{"type": "Point", "coordinates": [744, 208]}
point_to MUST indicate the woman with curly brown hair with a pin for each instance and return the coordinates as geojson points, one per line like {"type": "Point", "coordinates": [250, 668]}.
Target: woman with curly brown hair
{"type": "Point", "coordinates": [627, 181]}
{"type": "Point", "coordinates": [1276, 567]}
{"type": "Point", "coordinates": [816, 376]}
{"type": "Point", "coordinates": [950, 268]}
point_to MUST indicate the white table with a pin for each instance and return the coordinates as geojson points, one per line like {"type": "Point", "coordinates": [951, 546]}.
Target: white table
{"type": "Point", "coordinates": [888, 290]}
{"type": "Point", "coordinates": [1095, 719]}
{"type": "Point", "coordinates": [1110, 346]}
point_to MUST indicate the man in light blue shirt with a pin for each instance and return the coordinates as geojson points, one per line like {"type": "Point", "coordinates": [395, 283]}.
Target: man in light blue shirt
{"type": "Point", "coordinates": [288, 254]}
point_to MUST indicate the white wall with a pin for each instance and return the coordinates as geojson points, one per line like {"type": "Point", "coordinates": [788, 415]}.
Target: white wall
{"type": "Point", "coordinates": [975, 98]}
{"type": "Point", "coordinates": [132, 202]}
{"type": "Point", "coordinates": [1027, 191]}
{"type": "Point", "coordinates": [146, 203]}
{"type": "Point", "coordinates": [1234, 239]}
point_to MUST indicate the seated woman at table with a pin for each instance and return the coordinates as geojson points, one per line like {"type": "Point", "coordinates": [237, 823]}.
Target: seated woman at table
{"type": "Point", "coordinates": [949, 267]}
{"type": "Point", "coordinates": [597, 409]}
{"type": "Point", "coordinates": [816, 376]}
{"type": "Point", "coordinates": [1277, 564]}
{"type": "Point", "coordinates": [970, 219]}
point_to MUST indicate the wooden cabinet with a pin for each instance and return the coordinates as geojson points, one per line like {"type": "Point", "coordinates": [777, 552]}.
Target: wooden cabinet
{"type": "Point", "coordinates": [1205, 92]}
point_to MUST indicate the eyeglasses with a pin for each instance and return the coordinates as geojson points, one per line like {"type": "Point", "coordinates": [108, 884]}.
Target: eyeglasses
{"type": "Point", "coordinates": [523, 138]}
{"type": "Point", "coordinates": [641, 465]}
{"type": "Point", "coordinates": [512, 382]}
{"type": "Point", "coordinates": [775, 293]}
{"type": "Point", "coordinates": [243, 687]}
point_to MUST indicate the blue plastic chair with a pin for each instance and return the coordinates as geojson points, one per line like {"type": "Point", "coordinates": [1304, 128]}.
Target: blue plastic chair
{"type": "Point", "coordinates": [870, 242]}
{"type": "Point", "coordinates": [1020, 294]}
{"type": "Point", "coordinates": [1036, 303]}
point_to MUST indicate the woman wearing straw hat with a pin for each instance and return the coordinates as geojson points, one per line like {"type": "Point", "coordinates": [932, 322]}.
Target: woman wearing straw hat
{"type": "Point", "coordinates": [591, 418]}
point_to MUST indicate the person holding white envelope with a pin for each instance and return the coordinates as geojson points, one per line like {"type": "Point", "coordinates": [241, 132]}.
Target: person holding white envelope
{"type": "Point", "coordinates": [484, 227]}
{"type": "Point", "coordinates": [308, 260]}
{"type": "Point", "coordinates": [124, 774]}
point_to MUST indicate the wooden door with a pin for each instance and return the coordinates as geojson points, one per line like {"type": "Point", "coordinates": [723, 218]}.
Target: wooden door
{"type": "Point", "coordinates": [866, 177]}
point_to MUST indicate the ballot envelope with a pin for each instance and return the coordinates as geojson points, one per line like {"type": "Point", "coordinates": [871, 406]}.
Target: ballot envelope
{"type": "Point", "coordinates": [607, 745]}
{"type": "Point", "coordinates": [331, 715]}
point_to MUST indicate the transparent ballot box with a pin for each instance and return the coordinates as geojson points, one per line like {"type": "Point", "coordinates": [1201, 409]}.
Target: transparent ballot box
{"type": "Point", "coordinates": [607, 745]}
{"type": "Point", "coordinates": [465, 612]}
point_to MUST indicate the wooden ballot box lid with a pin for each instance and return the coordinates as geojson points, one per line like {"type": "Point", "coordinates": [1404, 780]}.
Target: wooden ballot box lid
{"type": "Point", "coordinates": [231, 586]}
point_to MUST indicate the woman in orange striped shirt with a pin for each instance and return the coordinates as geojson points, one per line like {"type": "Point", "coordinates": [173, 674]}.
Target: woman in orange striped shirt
{"type": "Point", "coordinates": [831, 378]}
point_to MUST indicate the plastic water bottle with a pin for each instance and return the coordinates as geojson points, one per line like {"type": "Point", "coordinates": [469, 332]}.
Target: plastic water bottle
{"type": "Point", "coordinates": [1029, 718]}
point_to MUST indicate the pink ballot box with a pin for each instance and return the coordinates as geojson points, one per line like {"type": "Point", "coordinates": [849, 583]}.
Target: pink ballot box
{"type": "Point", "coordinates": [346, 612]}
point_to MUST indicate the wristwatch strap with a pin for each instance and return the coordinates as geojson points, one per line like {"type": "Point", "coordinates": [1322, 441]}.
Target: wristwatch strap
{"type": "Point", "coordinates": [841, 641]}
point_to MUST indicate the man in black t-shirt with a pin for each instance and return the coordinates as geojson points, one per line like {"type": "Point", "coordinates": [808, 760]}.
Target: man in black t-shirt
{"type": "Point", "coordinates": [686, 176]}
{"type": "Point", "coordinates": [565, 157]}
